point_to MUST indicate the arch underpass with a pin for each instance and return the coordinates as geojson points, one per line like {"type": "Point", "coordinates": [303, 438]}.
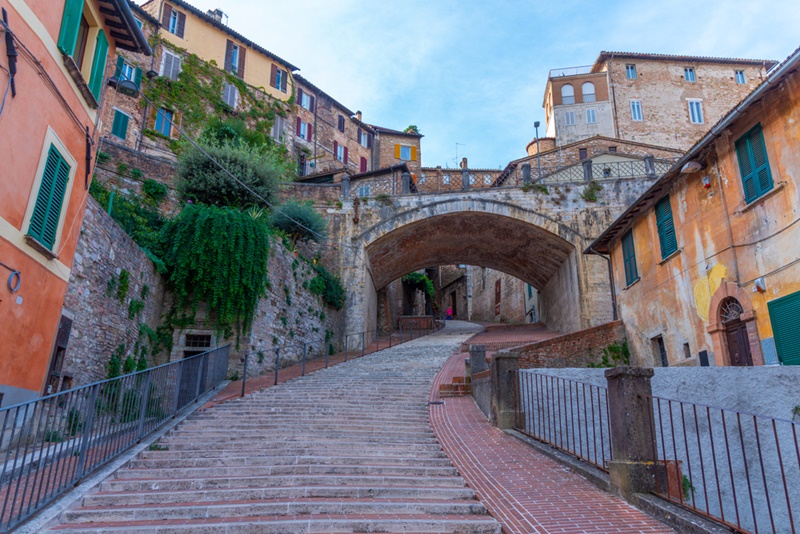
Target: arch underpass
{"type": "Point", "coordinates": [541, 245]}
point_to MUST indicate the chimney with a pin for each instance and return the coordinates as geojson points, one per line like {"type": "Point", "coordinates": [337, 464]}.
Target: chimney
{"type": "Point", "coordinates": [464, 164]}
{"type": "Point", "coordinates": [358, 116]}
{"type": "Point", "coordinates": [216, 14]}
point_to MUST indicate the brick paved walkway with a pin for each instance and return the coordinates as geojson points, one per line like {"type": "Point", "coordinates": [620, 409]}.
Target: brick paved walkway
{"type": "Point", "coordinates": [523, 489]}
{"type": "Point", "coordinates": [499, 336]}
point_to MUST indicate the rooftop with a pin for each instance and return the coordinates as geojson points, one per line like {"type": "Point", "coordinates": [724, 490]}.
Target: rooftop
{"type": "Point", "coordinates": [605, 56]}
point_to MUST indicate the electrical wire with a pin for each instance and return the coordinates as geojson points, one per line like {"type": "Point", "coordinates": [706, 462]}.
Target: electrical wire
{"type": "Point", "coordinates": [8, 88]}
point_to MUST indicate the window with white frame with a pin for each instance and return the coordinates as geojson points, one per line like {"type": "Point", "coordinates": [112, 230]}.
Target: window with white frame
{"type": "Point", "coordinates": [446, 179]}
{"type": "Point", "coordinates": [696, 111]}
{"type": "Point", "coordinates": [339, 152]}
{"type": "Point", "coordinates": [305, 100]}
{"type": "Point", "coordinates": [235, 58]}
{"type": "Point", "coordinates": [230, 95]}
{"type": "Point", "coordinates": [630, 71]}
{"type": "Point", "coordinates": [363, 138]}
{"type": "Point", "coordinates": [591, 116]}
{"type": "Point", "coordinates": [305, 130]}
{"type": "Point", "coordinates": [126, 71]}
{"type": "Point", "coordinates": [739, 75]}
{"type": "Point", "coordinates": [170, 65]}
{"type": "Point", "coordinates": [569, 118]}
{"type": "Point", "coordinates": [688, 74]}
{"type": "Point", "coordinates": [567, 94]}
{"type": "Point", "coordinates": [587, 90]}
{"type": "Point", "coordinates": [405, 153]}
{"type": "Point", "coordinates": [363, 191]}
{"type": "Point", "coordinates": [172, 25]}
{"type": "Point", "coordinates": [636, 110]}
{"type": "Point", "coordinates": [278, 128]}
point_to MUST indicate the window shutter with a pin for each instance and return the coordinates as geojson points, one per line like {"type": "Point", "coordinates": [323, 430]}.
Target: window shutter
{"type": "Point", "coordinates": [310, 131]}
{"type": "Point", "coordinates": [336, 150]}
{"type": "Point", "coordinates": [120, 64]}
{"type": "Point", "coordinates": [313, 102]}
{"type": "Point", "coordinates": [763, 175]}
{"type": "Point", "coordinates": [299, 97]}
{"type": "Point", "coordinates": [70, 24]}
{"type": "Point", "coordinates": [397, 151]}
{"type": "Point", "coordinates": [283, 81]}
{"type": "Point", "coordinates": [358, 136]}
{"type": "Point", "coordinates": [299, 127]}
{"type": "Point", "coordinates": [363, 167]}
{"type": "Point", "coordinates": [344, 160]}
{"type": "Point", "coordinates": [99, 65]}
{"type": "Point", "coordinates": [413, 153]}
{"type": "Point", "coordinates": [783, 314]}
{"type": "Point", "coordinates": [746, 168]}
{"type": "Point", "coordinates": [228, 56]}
{"type": "Point", "coordinates": [137, 77]}
{"type": "Point", "coordinates": [666, 227]}
{"type": "Point", "coordinates": [120, 125]}
{"type": "Point", "coordinates": [167, 14]}
{"type": "Point", "coordinates": [369, 140]}
{"type": "Point", "coordinates": [273, 77]}
{"type": "Point", "coordinates": [242, 55]}
{"type": "Point", "coordinates": [181, 24]}
{"type": "Point", "coordinates": [629, 258]}
{"type": "Point", "coordinates": [47, 211]}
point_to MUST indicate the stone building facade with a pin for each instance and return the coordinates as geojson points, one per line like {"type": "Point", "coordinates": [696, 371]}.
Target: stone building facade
{"type": "Point", "coordinates": [706, 262]}
{"type": "Point", "coordinates": [501, 298]}
{"type": "Point", "coordinates": [393, 147]}
{"type": "Point", "coordinates": [660, 99]}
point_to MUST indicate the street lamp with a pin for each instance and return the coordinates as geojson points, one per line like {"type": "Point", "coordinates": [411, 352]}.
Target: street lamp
{"type": "Point", "coordinates": [538, 158]}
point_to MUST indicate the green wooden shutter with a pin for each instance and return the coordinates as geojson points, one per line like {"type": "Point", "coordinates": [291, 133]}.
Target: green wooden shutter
{"type": "Point", "coordinates": [751, 150]}
{"type": "Point", "coordinates": [120, 125]}
{"type": "Point", "coordinates": [47, 210]}
{"type": "Point", "coordinates": [666, 227]}
{"type": "Point", "coordinates": [70, 24]}
{"type": "Point", "coordinates": [137, 77]}
{"type": "Point", "coordinates": [629, 258]}
{"type": "Point", "coordinates": [120, 64]}
{"type": "Point", "coordinates": [99, 65]}
{"type": "Point", "coordinates": [784, 313]}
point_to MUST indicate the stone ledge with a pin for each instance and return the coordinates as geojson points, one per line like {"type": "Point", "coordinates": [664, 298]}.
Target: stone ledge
{"type": "Point", "coordinates": [681, 519]}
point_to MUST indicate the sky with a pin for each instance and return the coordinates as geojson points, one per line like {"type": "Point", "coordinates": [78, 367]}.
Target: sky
{"type": "Point", "coordinates": [471, 74]}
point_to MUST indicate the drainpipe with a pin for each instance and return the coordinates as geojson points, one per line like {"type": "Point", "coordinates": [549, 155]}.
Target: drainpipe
{"type": "Point", "coordinates": [610, 281]}
{"type": "Point", "coordinates": [613, 98]}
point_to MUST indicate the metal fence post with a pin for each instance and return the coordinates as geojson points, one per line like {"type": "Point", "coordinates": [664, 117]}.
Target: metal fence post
{"type": "Point", "coordinates": [87, 436]}
{"type": "Point", "coordinates": [199, 375]}
{"type": "Point", "coordinates": [178, 388]}
{"type": "Point", "coordinates": [303, 365]}
{"type": "Point", "coordinates": [244, 374]}
{"type": "Point", "coordinates": [143, 409]}
{"type": "Point", "coordinates": [277, 363]}
{"type": "Point", "coordinates": [346, 348]}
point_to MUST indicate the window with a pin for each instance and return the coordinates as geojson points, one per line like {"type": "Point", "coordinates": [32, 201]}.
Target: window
{"type": "Point", "coordinates": [687, 351]}
{"type": "Point", "coordinates": [587, 89]}
{"type": "Point", "coordinates": [126, 71]}
{"type": "Point", "coordinates": [636, 111]}
{"type": "Point", "coordinates": [583, 153]}
{"type": "Point", "coordinates": [688, 74]}
{"type": "Point", "coordinates": [629, 258]}
{"type": "Point", "coordinates": [739, 75]}
{"type": "Point", "coordinates": [591, 116]}
{"type": "Point", "coordinates": [341, 123]}
{"type": "Point", "coordinates": [783, 314]}
{"type": "Point", "coordinates": [306, 101]}
{"type": "Point", "coordinates": [696, 111]}
{"type": "Point", "coordinates": [661, 351]}
{"type": "Point", "coordinates": [301, 164]}
{"type": "Point", "coordinates": [567, 94]}
{"type": "Point", "coordinates": [164, 118]}
{"type": "Point", "coordinates": [278, 128]}
{"type": "Point", "coordinates": [234, 59]}
{"type": "Point", "coordinates": [304, 129]}
{"type": "Point", "coordinates": [612, 149]}
{"type": "Point", "coordinates": [569, 118]}
{"type": "Point", "coordinates": [119, 127]}
{"type": "Point", "coordinates": [405, 152]}
{"type": "Point", "coordinates": [47, 210]}
{"type": "Point", "coordinates": [173, 20]}
{"type": "Point", "coordinates": [199, 341]}
{"type": "Point", "coordinates": [230, 95]}
{"type": "Point", "coordinates": [666, 228]}
{"type": "Point", "coordinates": [278, 78]}
{"type": "Point", "coordinates": [446, 179]}
{"type": "Point", "coordinates": [363, 191]}
{"type": "Point", "coordinates": [170, 65]}
{"type": "Point", "coordinates": [340, 152]}
{"type": "Point", "coordinates": [754, 164]}
{"type": "Point", "coordinates": [74, 41]}
{"type": "Point", "coordinates": [363, 166]}
{"type": "Point", "coordinates": [630, 71]}
{"type": "Point", "coordinates": [364, 139]}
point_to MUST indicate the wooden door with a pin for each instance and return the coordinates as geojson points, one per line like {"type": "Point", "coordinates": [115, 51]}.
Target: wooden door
{"type": "Point", "coordinates": [738, 344]}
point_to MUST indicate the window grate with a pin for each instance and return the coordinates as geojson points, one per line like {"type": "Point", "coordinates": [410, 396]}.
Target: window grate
{"type": "Point", "coordinates": [199, 341]}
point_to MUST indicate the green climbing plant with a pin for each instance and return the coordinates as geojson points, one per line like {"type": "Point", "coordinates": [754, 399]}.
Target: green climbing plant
{"type": "Point", "coordinates": [419, 281]}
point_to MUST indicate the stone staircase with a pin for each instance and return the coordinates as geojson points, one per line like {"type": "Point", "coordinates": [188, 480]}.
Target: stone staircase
{"type": "Point", "coordinates": [347, 449]}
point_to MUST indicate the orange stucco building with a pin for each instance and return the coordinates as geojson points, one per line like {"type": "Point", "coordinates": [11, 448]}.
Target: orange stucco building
{"type": "Point", "coordinates": [706, 264]}
{"type": "Point", "coordinates": [48, 127]}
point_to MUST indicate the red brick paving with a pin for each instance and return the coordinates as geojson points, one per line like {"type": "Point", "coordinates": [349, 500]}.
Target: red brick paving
{"type": "Point", "coordinates": [525, 490]}
{"type": "Point", "coordinates": [500, 336]}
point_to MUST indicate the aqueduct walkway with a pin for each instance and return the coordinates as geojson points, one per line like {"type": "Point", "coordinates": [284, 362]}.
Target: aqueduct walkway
{"type": "Point", "coordinates": [349, 449]}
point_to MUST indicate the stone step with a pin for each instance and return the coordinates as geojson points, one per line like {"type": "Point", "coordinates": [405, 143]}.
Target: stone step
{"type": "Point", "coordinates": [270, 470]}
{"type": "Point", "coordinates": [205, 510]}
{"type": "Point", "coordinates": [181, 462]}
{"type": "Point", "coordinates": [375, 452]}
{"type": "Point", "coordinates": [461, 524]}
{"type": "Point", "coordinates": [263, 494]}
{"type": "Point", "coordinates": [188, 445]}
{"type": "Point", "coordinates": [206, 483]}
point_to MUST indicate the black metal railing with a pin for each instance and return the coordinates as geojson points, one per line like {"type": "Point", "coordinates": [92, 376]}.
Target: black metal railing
{"type": "Point", "coordinates": [567, 414]}
{"type": "Point", "coordinates": [738, 468]}
{"type": "Point", "coordinates": [50, 444]}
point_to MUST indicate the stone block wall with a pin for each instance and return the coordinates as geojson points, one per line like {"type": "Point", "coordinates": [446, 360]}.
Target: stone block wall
{"type": "Point", "coordinates": [578, 349]}
{"type": "Point", "coordinates": [101, 320]}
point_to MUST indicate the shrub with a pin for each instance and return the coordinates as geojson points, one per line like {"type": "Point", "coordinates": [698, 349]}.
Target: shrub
{"type": "Point", "coordinates": [154, 191]}
{"type": "Point", "coordinates": [141, 222]}
{"type": "Point", "coordinates": [300, 221]}
{"type": "Point", "coordinates": [590, 191]}
{"type": "Point", "coordinates": [261, 170]}
{"type": "Point", "coordinates": [329, 287]}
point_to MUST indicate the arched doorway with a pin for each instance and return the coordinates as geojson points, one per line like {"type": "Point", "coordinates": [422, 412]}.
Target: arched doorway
{"type": "Point", "coordinates": [736, 338]}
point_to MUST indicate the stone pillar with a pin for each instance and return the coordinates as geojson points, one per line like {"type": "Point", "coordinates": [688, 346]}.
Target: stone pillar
{"type": "Point", "coordinates": [504, 389]}
{"type": "Point", "coordinates": [477, 358]}
{"type": "Point", "coordinates": [346, 186]}
{"type": "Point", "coordinates": [465, 179]}
{"type": "Point", "coordinates": [649, 165]}
{"type": "Point", "coordinates": [526, 173]}
{"type": "Point", "coordinates": [633, 469]}
{"type": "Point", "coordinates": [587, 170]}
{"type": "Point", "coordinates": [406, 183]}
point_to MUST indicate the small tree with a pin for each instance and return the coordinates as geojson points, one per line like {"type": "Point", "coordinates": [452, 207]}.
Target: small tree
{"type": "Point", "coordinates": [301, 221]}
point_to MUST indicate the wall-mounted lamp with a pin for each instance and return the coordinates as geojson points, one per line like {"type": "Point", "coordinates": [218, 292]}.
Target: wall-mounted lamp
{"type": "Point", "coordinates": [759, 285]}
{"type": "Point", "coordinates": [690, 167]}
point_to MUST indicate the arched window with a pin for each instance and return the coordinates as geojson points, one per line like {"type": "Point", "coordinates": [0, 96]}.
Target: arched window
{"type": "Point", "coordinates": [730, 310]}
{"type": "Point", "coordinates": [588, 92]}
{"type": "Point", "coordinates": [567, 94]}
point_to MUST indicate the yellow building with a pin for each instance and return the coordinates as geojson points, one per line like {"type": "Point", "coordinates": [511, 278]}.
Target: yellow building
{"type": "Point", "coordinates": [205, 35]}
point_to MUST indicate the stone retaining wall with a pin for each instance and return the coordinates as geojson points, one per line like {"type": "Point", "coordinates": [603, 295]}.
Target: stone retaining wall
{"type": "Point", "coordinates": [578, 349]}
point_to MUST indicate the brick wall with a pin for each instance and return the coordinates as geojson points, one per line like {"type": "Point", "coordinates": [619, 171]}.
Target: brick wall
{"type": "Point", "coordinates": [385, 146]}
{"type": "Point", "coordinates": [578, 349]}
{"type": "Point", "coordinates": [569, 154]}
{"type": "Point", "coordinates": [319, 193]}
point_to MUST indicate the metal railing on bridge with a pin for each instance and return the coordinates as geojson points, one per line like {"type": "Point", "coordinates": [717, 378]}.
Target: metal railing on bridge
{"type": "Point", "coordinates": [50, 444]}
